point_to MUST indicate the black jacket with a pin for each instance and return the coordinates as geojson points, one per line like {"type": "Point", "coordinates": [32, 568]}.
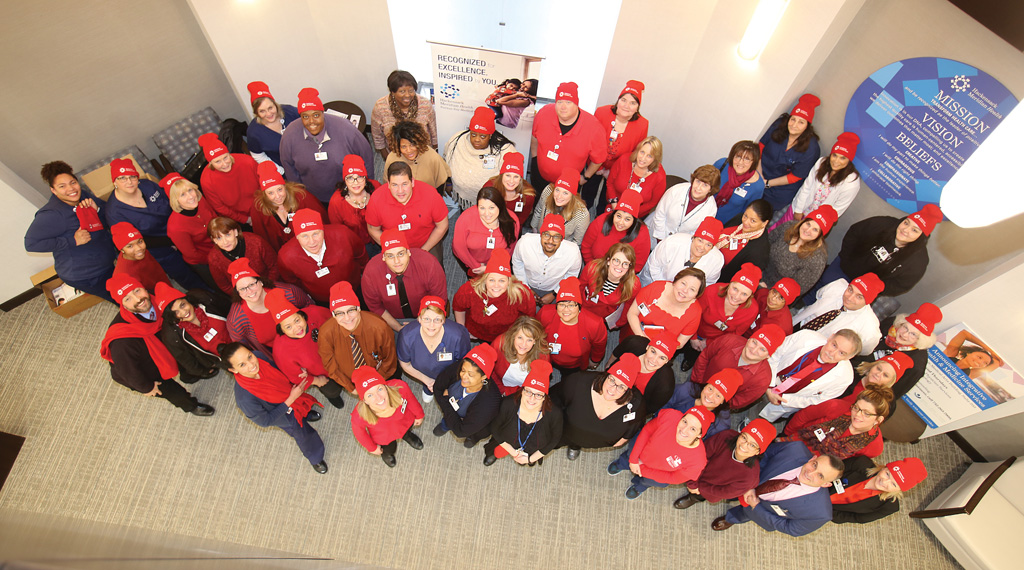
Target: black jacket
{"type": "Point", "coordinates": [866, 510]}
{"type": "Point", "coordinates": [194, 362]}
{"type": "Point", "coordinates": [900, 272]}
{"type": "Point", "coordinates": [910, 376]}
{"type": "Point", "coordinates": [662, 383]}
{"type": "Point", "coordinates": [477, 423]}
{"type": "Point", "coordinates": [756, 251]}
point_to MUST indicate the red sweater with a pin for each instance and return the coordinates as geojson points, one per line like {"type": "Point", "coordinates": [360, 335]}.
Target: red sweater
{"type": "Point", "coordinates": [487, 328]}
{"type": "Point", "coordinates": [344, 259]}
{"type": "Point", "coordinates": [261, 258]}
{"type": "Point", "coordinates": [339, 211]}
{"type": "Point", "coordinates": [686, 324]}
{"type": "Point", "coordinates": [391, 428]}
{"type": "Point", "coordinates": [826, 411]}
{"type": "Point", "coordinates": [231, 193]}
{"type": "Point", "coordinates": [724, 352]}
{"type": "Point", "coordinates": [576, 344]}
{"type": "Point", "coordinates": [596, 244]}
{"type": "Point", "coordinates": [660, 457]}
{"type": "Point", "coordinates": [626, 141]}
{"type": "Point", "coordinates": [147, 271]}
{"type": "Point", "coordinates": [501, 365]}
{"type": "Point", "coordinates": [713, 311]}
{"type": "Point", "coordinates": [188, 233]}
{"type": "Point", "coordinates": [622, 178]}
{"type": "Point", "coordinates": [783, 318]}
{"type": "Point", "coordinates": [603, 305]}
{"type": "Point", "coordinates": [724, 477]}
{"type": "Point", "coordinates": [293, 354]}
{"type": "Point", "coordinates": [270, 228]}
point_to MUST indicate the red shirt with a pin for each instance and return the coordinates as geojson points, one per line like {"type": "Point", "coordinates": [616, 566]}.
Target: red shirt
{"type": "Point", "coordinates": [603, 305]}
{"type": "Point", "coordinates": [487, 328]}
{"type": "Point", "coordinates": [262, 260]}
{"type": "Point", "coordinates": [686, 324]}
{"type": "Point", "coordinates": [621, 178]}
{"type": "Point", "coordinates": [341, 212]}
{"type": "Point", "coordinates": [231, 193]}
{"type": "Point", "coordinates": [424, 276]}
{"type": "Point", "coordinates": [263, 325]}
{"type": "Point", "coordinates": [344, 260]}
{"type": "Point", "coordinates": [293, 354]}
{"type": "Point", "coordinates": [625, 142]}
{"type": "Point", "coordinates": [576, 343]}
{"type": "Point", "coordinates": [424, 210]}
{"type": "Point", "coordinates": [188, 233]}
{"type": "Point", "coordinates": [147, 271]}
{"type": "Point", "coordinates": [470, 239]}
{"type": "Point", "coordinates": [782, 317]}
{"type": "Point", "coordinates": [556, 152]}
{"type": "Point", "coordinates": [596, 244]}
{"type": "Point", "coordinates": [724, 352]}
{"type": "Point", "coordinates": [660, 457]}
{"type": "Point", "coordinates": [713, 320]}
{"type": "Point", "coordinates": [277, 233]}
{"type": "Point", "coordinates": [390, 428]}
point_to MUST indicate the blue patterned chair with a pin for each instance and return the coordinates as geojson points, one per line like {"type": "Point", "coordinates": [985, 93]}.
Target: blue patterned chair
{"type": "Point", "coordinates": [177, 143]}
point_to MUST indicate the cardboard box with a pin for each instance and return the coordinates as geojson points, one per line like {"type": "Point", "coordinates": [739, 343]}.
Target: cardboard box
{"type": "Point", "coordinates": [66, 307]}
{"type": "Point", "coordinates": [98, 180]}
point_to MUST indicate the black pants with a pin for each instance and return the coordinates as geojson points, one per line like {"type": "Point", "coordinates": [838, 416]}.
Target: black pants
{"type": "Point", "coordinates": [689, 353]}
{"type": "Point", "coordinates": [536, 180]}
{"type": "Point", "coordinates": [593, 193]}
{"type": "Point", "coordinates": [392, 447]}
{"type": "Point", "coordinates": [176, 394]}
{"type": "Point", "coordinates": [331, 389]}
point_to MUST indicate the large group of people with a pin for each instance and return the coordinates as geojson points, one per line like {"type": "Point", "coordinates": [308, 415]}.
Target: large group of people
{"type": "Point", "coordinates": [297, 270]}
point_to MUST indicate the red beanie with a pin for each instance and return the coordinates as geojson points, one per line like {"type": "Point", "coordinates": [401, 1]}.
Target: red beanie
{"type": "Point", "coordinates": [500, 263]}
{"type": "Point", "coordinates": [704, 415]}
{"type": "Point", "coordinates": [749, 276]}
{"type": "Point", "coordinates": [925, 318]}
{"type": "Point", "coordinates": [846, 145]}
{"type": "Point", "coordinates": [771, 336]}
{"type": "Point", "coordinates": [122, 167]}
{"type": "Point", "coordinates": [239, 269]}
{"type": "Point", "coordinates": [626, 369]}
{"type": "Point", "coordinates": [539, 376]}
{"type": "Point", "coordinates": [634, 88]}
{"type": "Point", "coordinates": [309, 100]}
{"type": "Point", "coordinates": [568, 91]}
{"type": "Point", "coordinates": [483, 356]}
{"type": "Point", "coordinates": [432, 301]}
{"type": "Point", "coordinates": [258, 89]}
{"type": "Point", "coordinates": [629, 203]}
{"type": "Point", "coordinates": [569, 180]}
{"type": "Point", "coordinates": [870, 285]}
{"type": "Point", "coordinates": [907, 472]}
{"type": "Point", "coordinates": [306, 220]}
{"type": "Point", "coordinates": [366, 377]}
{"type": "Point", "coordinates": [278, 305]}
{"type": "Point", "coordinates": [269, 176]}
{"type": "Point", "coordinates": [482, 121]}
{"type": "Point", "coordinates": [727, 381]}
{"type": "Point", "coordinates": [167, 181]}
{"type": "Point", "coordinates": [825, 216]}
{"type": "Point", "coordinates": [343, 295]}
{"type": "Point", "coordinates": [553, 223]}
{"type": "Point", "coordinates": [212, 146]}
{"type": "Point", "coordinates": [512, 162]}
{"type": "Point", "coordinates": [392, 238]}
{"type": "Point", "coordinates": [709, 229]}
{"type": "Point", "coordinates": [762, 431]}
{"type": "Point", "coordinates": [123, 234]}
{"type": "Point", "coordinates": [569, 290]}
{"type": "Point", "coordinates": [164, 295]}
{"type": "Point", "coordinates": [899, 361]}
{"type": "Point", "coordinates": [805, 107]}
{"type": "Point", "coordinates": [353, 164]}
{"type": "Point", "coordinates": [120, 285]}
{"type": "Point", "coordinates": [927, 218]}
{"type": "Point", "coordinates": [665, 341]}
{"type": "Point", "coordinates": [788, 288]}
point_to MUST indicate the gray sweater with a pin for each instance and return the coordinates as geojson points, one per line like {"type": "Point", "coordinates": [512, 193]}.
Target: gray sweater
{"type": "Point", "coordinates": [575, 228]}
{"type": "Point", "coordinates": [784, 263]}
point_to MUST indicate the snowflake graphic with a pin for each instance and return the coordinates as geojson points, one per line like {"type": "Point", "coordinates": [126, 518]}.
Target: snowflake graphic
{"type": "Point", "coordinates": [449, 91]}
{"type": "Point", "coordinates": [959, 83]}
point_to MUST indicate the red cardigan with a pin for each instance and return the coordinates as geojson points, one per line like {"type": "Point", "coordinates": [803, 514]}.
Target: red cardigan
{"type": "Point", "coordinates": [188, 233]}
{"type": "Point", "coordinates": [270, 228]}
{"type": "Point", "coordinates": [345, 259]}
{"type": "Point", "coordinates": [339, 211]}
{"type": "Point", "coordinates": [261, 258]}
{"type": "Point", "coordinates": [621, 178]}
{"type": "Point", "coordinates": [586, 340]}
{"type": "Point", "coordinates": [231, 193]}
{"type": "Point", "coordinates": [724, 352]}
{"type": "Point", "coordinates": [713, 311]}
{"type": "Point", "coordinates": [596, 244]}
{"type": "Point", "coordinates": [603, 305]}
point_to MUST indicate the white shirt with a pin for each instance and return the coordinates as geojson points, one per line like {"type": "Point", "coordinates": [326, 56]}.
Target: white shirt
{"type": "Point", "coordinates": [828, 386]}
{"type": "Point", "coordinates": [813, 193]}
{"type": "Point", "coordinates": [318, 257]}
{"type": "Point", "coordinates": [670, 257]}
{"type": "Point", "coordinates": [540, 272]}
{"type": "Point", "coordinates": [668, 217]}
{"type": "Point", "coordinates": [863, 321]}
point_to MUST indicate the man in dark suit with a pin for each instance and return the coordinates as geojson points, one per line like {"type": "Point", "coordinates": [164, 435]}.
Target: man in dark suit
{"type": "Point", "coordinates": [792, 496]}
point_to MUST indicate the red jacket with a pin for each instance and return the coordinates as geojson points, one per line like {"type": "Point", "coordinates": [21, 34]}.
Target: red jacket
{"type": "Point", "coordinates": [231, 193]}
{"type": "Point", "coordinates": [188, 233]}
{"type": "Point", "coordinates": [724, 352]}
{"type": "Point", "coordinates": [596, 244]}
{"type": "Point", "coordinates": [261, 258]}
{"type": "Point", "coordinates": [269, 227]}
{"type": "Point", "coordinates": [713, 311]}
{"type": "Point", "coordinates": [344, 259]}
{"type": "Point", "coordinates": [603, 305]}
{"type": "Point", "coordinates": [575, 344]}
{"type": "Point", "coordinates": [621, 178]}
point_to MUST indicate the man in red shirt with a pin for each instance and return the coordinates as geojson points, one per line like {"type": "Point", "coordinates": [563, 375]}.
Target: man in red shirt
{"type": "Point", "coordinates": [564, 136]}
{"type": "Point", "coordinates": [748, 356]}
{"type": "Point", "coordinates": [395, 281]}
{"type": "Point", "coordinates": [410, 206]}
{"type": "Point", "coordinates": [320, 255]}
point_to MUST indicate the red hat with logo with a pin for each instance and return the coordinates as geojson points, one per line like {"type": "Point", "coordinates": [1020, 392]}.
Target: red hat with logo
{"type": "Point", "coordinates": [353, 164]}
{"type": "Point", "coordinates": [122, 167]}
{"type": "Point", "coordinates": [483, 356]}
{"type": "Point", "coordinates": [825, 216]}
{"type": "Point", "coordinates": [899, 361]}
{"type": "Point", "coordinates": [124, 233]}
{"type": "Point", "coordinates": [709, 229]}
{"type": "Point", "coordinates": [568, 91]}
{"type": "Point", "coordinates": [278, 305]}
{"type": "Point", "coordinates": [432, 301]}
{"type": "Point", "coordinates": [482, 121]}
{"type": "Point", "coordinates": [626, 369]}
{"type": "Point", "coordinates": [788, 288]}
{"type": "Point", "coordinates": [569, 180]}
{"type": "Point", "coordinates": [927, 218]}
{"type": "Point", "coordinates": [630, 203]}
{"type": "Point", "coordinates": [553, 223]}
{"type": "Point", "coordinates": [665, 341]}
{"type": "Point", "coordinates": [212, 146]}
{"type": "Point", "coordinates": [343, 295]}
{"type": "Point", "coordinates": [634, 88]}
{"type": "Point", "coordinates": [167, 181]}
{"type": "Point", "coordinates": [925, 318]}
{"type": "Point", "coordinates": [569, 290]}
{"type": "Point", "coordinates": [846, 145]}
{"type": "Point", "coordinates": [500, 263]}
{"type": "Point", "coordinates": [749, 276]}
{"type": "Point", "coordinates": [704, 415]}
{"type": "Point", "coordinates": [366, 377]}
{"type": "Point", "coordinates": [539, 376]}
{"type": "Point", "coordinates": [727, 380]}
{"type": "Point", "coordinates": [870, 285]}
{"type": "Point", "coordinates": [309, 100]}
{"type": "Point", "coordinates": [306, 220]}
{"type": "Point", "coordinates": [762, 431]}
{"type": "Point", "coordinates": [512, 162]}
{"type": "Point", "coordinates": [392, 238]}
{"type": "Point", "coordinates": [240, 269]}
{"type": "Point", "coordinates": [268, 174]}
{"type": "Point", "coordinates": [120, 285]}
{"type": "Point", "coordinates": [907, 472]}
{"type": "Point", "coordinates": [164, 295]}
{"type": "Point", "coordinates": [258, 89]}
{"type": "Point", "coordinates": [805, 107]}
{"type": "Point", "coordinates": [770, 336]}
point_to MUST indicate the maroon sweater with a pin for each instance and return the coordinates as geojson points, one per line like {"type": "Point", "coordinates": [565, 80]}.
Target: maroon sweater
{"type": "Point", "coordinates": [724, 352]}
{"type": "Point", "coordinates": [261, 256]}
{"type": "Point", "coordinates": [724, 477]}
{"type": "Point", "coordinates": [345, 259]}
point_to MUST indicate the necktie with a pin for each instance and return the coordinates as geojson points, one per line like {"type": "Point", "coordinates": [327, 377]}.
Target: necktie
{"type": "Point", "coordinates": [772, 485]}
{"type": "Point", "coordinates": [403, 298]}
{"type": "Point", "coordinates": [357, 352]}
{"type": "Point", "coordinates": [688, 264]}
{"type": "Point", "coordinates": [821, 320]}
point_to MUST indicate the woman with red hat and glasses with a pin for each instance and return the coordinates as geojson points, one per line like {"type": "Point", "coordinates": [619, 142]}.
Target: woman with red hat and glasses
{"type": "Point", "coordinates": [733, 467]}
{"type": "Point", "coordinates": [601, 409]}
{"type": "Point", "coordinates": [266, 397]}
{"type": "Point", "coordinates": [609, 284]}
{"type": "Point", "coordinates": [488, 304]}
{"type": "Point", "coordinates": [482, 228]}
{"type": "Point", "coordinates": [798, 249]}
{"type": "Point", "coordinates": [561, 197]}
{"type": "Point", "coordinates": [467, 400]}
{"type": "Point", "coordinates": [516, 349]}
{"type": "Point", "coordinates": [837, 428]}
{"type": "Point", "coordinates": [655, 380]}
{"type": "Point", "coordinates": [475, 156]}
{"type": "Point", "coordinates": [386, 412]}
{"type": "Point", "coordinates": [233, 243]}
{"type": "Point", "coordinates": [348, 203]}
{"type": "Point", "coordinates": [669, 306]}
{"type": "Point", "coordinates": [249, 320]}
{"type": "Point", "coordinates": [773, 306]}
{"type": "Point", "coordinates": [789, 149]}
{"type": "Point", "coordinates": [527, 426]}
{"type": "Point", "coordinates": [724, 308]}
{"type": "Point", "coordinates": [275, 204]}
{"type": "Point", "coordinates": [194, 326]}
{"type": "Point", "coordinates": [667, 451]}
{"type": "Point", "coordinates": [870, 492]}
{"type": "Point", "coordinates": [624, 128]}
{"type": "Point", "coordinates": [713, 395]}
{"type": "Point", "coordinates": [639, 172]}
{"type": "Point", "coordinates": [835, 183]}
{"type": "Point", "coordinates": [520, 197]}
{"type": "Point", "coordinates": [270, 119]}
{"type": "Point", "coordinates": [230, 181]}
{"type": "Point", "coordinates": [429, 345]}
{"type": "Point", "coordinates": [741, 183]}
{"type": "Point", "coordinates": [577, 338]}
{"type": "Point", "coordinates": [622, 225]}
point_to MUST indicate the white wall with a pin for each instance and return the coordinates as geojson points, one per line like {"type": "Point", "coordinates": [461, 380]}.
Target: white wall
{"type": "Point", "coordinates": [15, 217]}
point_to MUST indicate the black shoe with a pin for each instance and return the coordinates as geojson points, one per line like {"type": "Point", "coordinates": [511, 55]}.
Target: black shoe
{"type": "Point", "coordinates": [684, 502]}
{"type": "Point", "coordinates": [321, 467]}
{"type": "Point", "coordinates": [686, 365]}
{"type": "Point", "coordinates": [413, 440]}
{"type": "Point", "coordinates": [572, 453]}
{"type": "Point", "coordinates": [469, 443]}
{"type": "Point", "coordinates": [337, 402]}
{"type": "Point", "coordinates": [489, 459]}
{"type": "Point", "coordinates": [313, 416]}
{"type": "Point", "coordinates": [440, 429]}
{"type": "Point", "coordinates": [202, 410]}
{"type": "Point", "coordinates": [389, 459]}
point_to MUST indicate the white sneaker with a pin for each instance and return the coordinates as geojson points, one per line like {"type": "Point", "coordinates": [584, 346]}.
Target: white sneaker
{"type": "Point", "coordinates": [427, 398]}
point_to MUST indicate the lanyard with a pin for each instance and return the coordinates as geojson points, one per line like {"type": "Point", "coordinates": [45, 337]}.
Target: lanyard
{"type": "Point", "coordinates": [519, 433]}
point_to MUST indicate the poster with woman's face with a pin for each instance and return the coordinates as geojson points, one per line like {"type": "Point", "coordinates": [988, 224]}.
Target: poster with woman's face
{"type": "Point", "coordinates": [981, 364]}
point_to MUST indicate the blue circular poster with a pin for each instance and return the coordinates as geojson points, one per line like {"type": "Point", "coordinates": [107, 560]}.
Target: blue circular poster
{"type": "Point", "coordinates": [918, 121]}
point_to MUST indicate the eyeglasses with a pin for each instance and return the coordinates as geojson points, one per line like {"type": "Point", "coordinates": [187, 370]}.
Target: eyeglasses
{"type": "Point", "coordinates": [619, 262]}
{"type": "Point", "coordinates": [393, 256]}
{"type": "Point", "coordinates": [533, 395]}
{"type": "Point", "coordinates": [348, 312]}
{"type": "Point", "coordinates": [861, 411]}
{"type": "Point", "coordinates": [551, 236]}
{"type": "Point", "coordinates": [249, 287]}
{"type": "Point", "coordinates": [617, 387]}
{"type": "Point", "coordinates": [431, 320]}
{"type": "Point", "coordinates": [354, 178]}
{"type": "Point", "coordinates": [126, 178]}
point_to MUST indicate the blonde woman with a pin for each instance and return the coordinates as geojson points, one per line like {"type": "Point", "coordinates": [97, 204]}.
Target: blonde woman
{"type": "Point", "coordinates": [490, 303]}
{"type": "Point", "coordinates": [873, 492]}
{"type": "Point", "coordinates": [563, 198]}
{"type": "Point", "coordinates": [275, 204]}
{"type": "Point", "coordinates": [386, 412]}
{"type": "Point", "coordinates": [638, 172]}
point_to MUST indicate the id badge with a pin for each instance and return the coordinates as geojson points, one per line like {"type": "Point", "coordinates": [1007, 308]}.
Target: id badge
{"type": "Point", "coordinates": [741, 192]}
{"type": "Point", "coordinates": [454, 403]}
{"type": "Point", "coordinates": [644, 311]}
{"type": "Point", "coordinates": [734, 244]}
{"type": "Point", "coordinates": [881, 254]}
{"type": "Point", "coordinates": [635, 186]}
{"type": "Point", "coordinates": [820, 434]}
{"type": "Point", "coordinates": [320, 156]}
{"type": "Point", "coordinates": [720, 325]}
{"type": "Point", "coordinates": [323, 271]}
{"type": "Point", "coordinates": [287, 230]}
{"type": "Point", "coordinates": [490, 161]}
{"type": "Point", "coordinates": [838, 484]}
{"type": "Point", "coordinates": [518, 206]}
{"type": "Point", "coordinates": [444, 357]}
{"type": "Point", "coordinates": [404, 227]}
{"type": "Point", "coordinates": [779, 511]}
{"type": "Point", "coordinates": [391, 289]}
{"type": "Point", "coordinates": [594, 299]}
{"type": "Point", "coordinates": [404, 404]}
{"type": "Point", "coordinates": [490, 310]}
{"type": "Point", "coordinates": [552, 155]}
{"type": "Point", "coordinates": [628, 417]}
{"type": "Point", "coordinates": [556, 347]}
{"type": "Point", "coordinates": [209, 335]}
{"type": "Point", "coordinates": [880, 354]}
{"type": "Point", "coordinates": [491, 242]}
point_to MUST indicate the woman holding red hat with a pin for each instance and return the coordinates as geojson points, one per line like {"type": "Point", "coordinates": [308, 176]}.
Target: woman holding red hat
{"type": "Point", "coordinates": [835, 183]}
{"type": "Point", "coordinates": [789, 149]}
{"type": "Point", "coordinates": [230, 181]}
{"type": "Point", "coordinates": [488, 304]}
{"type": "Point", "coordinates": [410, 143]}
{"type": "Point", "coordinates": [386, 412]}
{"type": "Point", "coordinates": [468, 402]}
{"type": "Point", "coordinates": [746, 242]}
{"type": "Point", "coordinates": [773, 306]}
{"type": "Point", "coordinates": [270, 119]}
{"type": "Point", "coordinates": [836, 428]}
{"type": "Point", "coordinates": [275, 204]}
{"type": "Point", "coordinates": [601, 409]}
{"type": "Point", "coordinates": [516, 349]}
{"type": "Point", "coordinates": [295, 350]}
{"type": "Point", "coordinates": [655, 380]}
{"type": "Point", "coordinates": [401, 104]}
{"type": "Point", "coordinates": [562, 198]}
{"type": "Point", "coordinates": [669, 305]}
{"type": "Point", "coordinates": [527, 426]}
{"type": "Point", "coordinates": [741, 181]}
{"type": "Point", "coordinates": [685, 205]}
{"type": "Point", "coordinates": [429, 345]}
{"type": "Point", "coordinates": [194, 327]}
{"type": "Point", "coordinates": [232, 243]}
{"type": "Point", "coordinates": [724, 308]}
{"type": "Point", "coordinates": [483, 228]}
{"type": "Point", "coordinates": [187, 224]}
{"type": "Point", "coordinates": [609, 284]}
{"type": "Point", "coordinates": [622, 225]}
{"type": "Point", "coordinates": [520, 197]}
{"type": "Point", "coordinates": [798, 249]}
{"type": "Point", "coordinates": [475, 156]}
{"type": "Point", "coordinates": [872, 492]}
{"type": "Point", "coordinates": [639, 172]}
{"type": "Point", "coordinates": [250, 320]}
{"type": "Point", "coordinates": [624, 128]}
{"type": "Point", "coordinates": [733, 466]}
{"type": "Point", "coordinates": [575, 336]}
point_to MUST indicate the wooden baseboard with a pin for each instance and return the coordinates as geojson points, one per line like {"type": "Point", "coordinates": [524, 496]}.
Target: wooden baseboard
{"type": "Point", "coordinates": [21, 299]}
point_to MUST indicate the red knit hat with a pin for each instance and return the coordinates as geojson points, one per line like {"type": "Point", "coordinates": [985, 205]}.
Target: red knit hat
{"type": "Point", "coordinates": [539, 376]}
{"type": "Point", "coordinates": [704, 415]}
{"type": "Point", "coordinates": [630, 203]}
{"type": "Point", "coordinates": [484, 356]}
{"type": "Point", "coordinates": [432, 301]}
{"type": "Point", "coordinates": [870, 285]}
{"type": "Point", "coordinates": [343, 295]}
{"type": "Point", "coordinates": [925, 318]}
{"type": "Point", "coordinates": [279, 306]}
{"type": "Point", "coordinates": [846, 145]}
{"type": "Point", "coordinates": [164, 295]}
{"type": "Point", "coordinates": [269, 176]}
{"type": "Point", "coordinates": [634, 88]}
{"type": "Point", "coordinates": [123, 234]}
{"type": "Point", "coordinates": [553, 223]}
{"type": "Point", "coordinates": [805, 107]}
{"type": "Point", "coordinates": [749, 276]}
{"type": "Point", "coordinates": [240, 269]}
{"type": "Point", "coordinates": [569, 180]}
{"type": "Point", "coordinates": [762, 431]}
{"type": "Point", "coordinates": [306, 220]}
{"type": "Point", "coordinates": [512, 162]}
{"type": "Point", "coordinates": [500, 262]}
{"type": "Point", "coordinates": [482, 121]}
{"type": "Point", "coordinates": [727, 380]}
{"type": "Point", "coordinates": [709, 229]}
{"type": "Point", "coordinates": [626, 369]}
{"type": "Point", "coordinates": [392, 238]}
{"type": "Point", "coordinates": [212, 146]}
{"type": "Point", "coordinates": [258, 89]}
{"type": "Point", "coordinates": [665, 341]}
{"type": "Point", "coordinates": [122, 167]}
{"type": "Point", "coordinates": [899, 361]}
{"type": "Point", "coordinates": [167, 181]}
{"type": "Point", "coordinates": [353, 164]}
{"type": "Point", "coordinates": [770, 336]}
{"type": "Point", "coordinates": [825, 216]}
{"type": "Point", "coordinates": [568, 91]}
{"type": "Point", "coordinates": [120, 285]}
{"type": "Point", "coordinates": [927, 218]}
{"type": "Point", "coordinates": [366, 377]}
{"type": "Point", "coordinates": [788, 288]}
{"type": "Point", "coordinates": [569, 290]}
{"type": "Point", "coordinates": [907, 472]}
{"type": "Point", "coordinates": [309, 100]}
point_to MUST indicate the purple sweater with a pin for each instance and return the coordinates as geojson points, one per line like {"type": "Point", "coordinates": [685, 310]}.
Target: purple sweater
{"type": "Point", "coordinates": [298, 150]}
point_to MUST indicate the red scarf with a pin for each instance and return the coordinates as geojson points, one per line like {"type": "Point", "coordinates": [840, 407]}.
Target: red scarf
{"type": "Point", "coordinates": [854, 493]}
{"type": "Point", "coordinates": [273, 386]}
{"type": "Point", "coordinates": [733, 182]}
{"type": "Point", "coordinates": [198, 332]}
{"type": "Point", "coordinates": [137, 328]}
{"type": "Point", "coordinates": [890, 341]}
